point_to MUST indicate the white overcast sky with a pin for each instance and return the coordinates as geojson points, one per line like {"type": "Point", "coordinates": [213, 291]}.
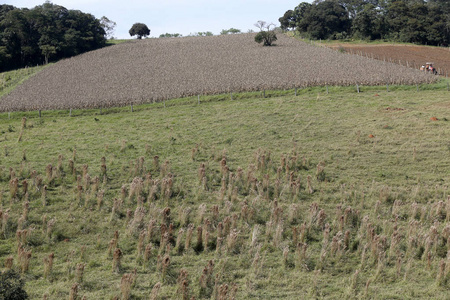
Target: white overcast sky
{"type": "Point", "coordinates": [177, 16]}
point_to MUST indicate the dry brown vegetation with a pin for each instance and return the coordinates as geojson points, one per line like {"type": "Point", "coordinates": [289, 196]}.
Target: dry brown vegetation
{"type": "Point", "coordinates": [157, 69]}
{"type": "Point", "coordinates": [413, 56]}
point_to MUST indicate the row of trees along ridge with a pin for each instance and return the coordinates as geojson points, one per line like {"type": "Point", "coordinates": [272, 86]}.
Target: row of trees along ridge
{"type": "Point", "coordinates": [421, 22]}
{"type": "Point", "coordinates": [48, 31]}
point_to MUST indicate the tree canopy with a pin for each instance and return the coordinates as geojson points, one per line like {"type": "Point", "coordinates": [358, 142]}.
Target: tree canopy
{"type": "Point", "coordinates": [140, 30]}
{"type": "Point", "coordinates": [46, 32]}
{"type": "Point", "coordinates": [266, 34]}
{"type": "Point", "coordinates": [230, 31]}
{"type": "Point", "coordinates": [421, 22]}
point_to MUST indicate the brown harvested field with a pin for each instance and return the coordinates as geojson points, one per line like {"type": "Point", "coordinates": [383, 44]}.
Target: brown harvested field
{"type": "Point", "coordinates": [406, 55]}
{"type": "Point", "coordinates": [156, 69]}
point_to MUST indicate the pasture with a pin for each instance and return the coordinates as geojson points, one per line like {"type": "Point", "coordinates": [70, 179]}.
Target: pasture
{"type": "Point", "coordinates": [339, 195]}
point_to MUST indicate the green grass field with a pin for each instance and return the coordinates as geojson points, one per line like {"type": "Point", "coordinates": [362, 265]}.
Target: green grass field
{"type": "Point", "coordinates": [374, 166]}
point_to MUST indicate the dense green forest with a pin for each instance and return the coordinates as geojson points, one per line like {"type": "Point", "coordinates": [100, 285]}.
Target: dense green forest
{"type": "Point", "coordinates": [46, 32]}
{"type": "Point", "coordinates": [412, 21]}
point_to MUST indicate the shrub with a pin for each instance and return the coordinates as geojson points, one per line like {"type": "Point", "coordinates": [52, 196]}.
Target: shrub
{"type": "Point", "coordinates": [11, 286]}
{"type": "Point", "coordinates": [266, 34]}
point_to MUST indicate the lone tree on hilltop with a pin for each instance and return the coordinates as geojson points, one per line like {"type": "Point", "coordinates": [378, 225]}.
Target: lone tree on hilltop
{"type": "Point", "coordinates": [266, 33]}
{"type": "Point", "coordinates": [139, 29]}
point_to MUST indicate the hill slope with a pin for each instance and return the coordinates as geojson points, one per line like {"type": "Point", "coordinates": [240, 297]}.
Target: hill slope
{"type": "Point", "coordinates": [156, 69]}
{"type": "Point", "coordinates": [320, 196]}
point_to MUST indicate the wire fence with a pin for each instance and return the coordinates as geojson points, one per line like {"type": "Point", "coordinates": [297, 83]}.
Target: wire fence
{"type": "Point", "coordinates": [443, 85]}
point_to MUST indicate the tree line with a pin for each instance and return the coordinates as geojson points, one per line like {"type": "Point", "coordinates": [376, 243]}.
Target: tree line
{"type": "Point", "coordinates": [46, 32]}
{"type": "Point", "coordinates": [412, 21]}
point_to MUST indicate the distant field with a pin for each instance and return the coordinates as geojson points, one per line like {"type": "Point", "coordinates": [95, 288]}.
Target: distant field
{"type": "Point", "coordinates": [156, 69]}
{"type": "Point", "coordinates": [407, 55]}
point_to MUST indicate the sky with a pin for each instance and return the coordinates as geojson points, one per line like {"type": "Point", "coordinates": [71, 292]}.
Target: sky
{"type": "Point", "coordinates": [177, 16]}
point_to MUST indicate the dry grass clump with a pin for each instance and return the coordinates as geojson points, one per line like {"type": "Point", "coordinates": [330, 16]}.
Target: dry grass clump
{"type": "Point", "coordinates": [157, 69]}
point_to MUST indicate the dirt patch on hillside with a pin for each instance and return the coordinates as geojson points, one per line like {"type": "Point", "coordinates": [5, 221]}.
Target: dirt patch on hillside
{"type": "Point", "coordinates": [406, 55]}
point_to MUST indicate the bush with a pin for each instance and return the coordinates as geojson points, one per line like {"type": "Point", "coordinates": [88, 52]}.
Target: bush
{"type": "Point", "coordinates": [11, 286]}
{"type": "Point", "coordinates": [267, 33]}
{"type": "Point", "coordinates": [268, 37]}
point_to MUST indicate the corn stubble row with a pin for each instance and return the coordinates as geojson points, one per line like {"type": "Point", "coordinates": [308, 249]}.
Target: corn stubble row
{"type": "Point", "coordinates": [158, 69]}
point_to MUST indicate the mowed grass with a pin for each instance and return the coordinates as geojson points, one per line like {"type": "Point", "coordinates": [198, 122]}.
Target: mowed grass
{"type": "Point", "coordinates": [374, 146]}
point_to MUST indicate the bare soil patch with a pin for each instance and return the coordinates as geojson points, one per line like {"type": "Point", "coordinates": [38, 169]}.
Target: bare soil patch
{"type": "Point", "coordinates": [405, 55]}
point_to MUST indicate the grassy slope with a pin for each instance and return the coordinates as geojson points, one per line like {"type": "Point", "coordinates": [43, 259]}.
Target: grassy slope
{"type": "Point", "coordinates": [333, 129]}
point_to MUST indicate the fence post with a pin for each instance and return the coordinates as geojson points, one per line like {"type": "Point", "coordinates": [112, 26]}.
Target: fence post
{"type": "Point", "coordinates": [198, 99]}
{"type": "Point", "coordinates": [417, 87]}
{"type": "Point", "coordinates": [295, 91]}
{"type": "Point", "coordinates": [70, 113]}
{"type": "Point", "coordinates": [264, 93]}
{"type": "Point", "coordinates": [357, 88]}
{"type": "Point", "coordinates": [387, 87]}
{"type": "Point", "coordinates": [131, 107]}
{"type": "Point", "coordinates": [327, 89]}
{"type": "Point", "coordinates": [39, 114]}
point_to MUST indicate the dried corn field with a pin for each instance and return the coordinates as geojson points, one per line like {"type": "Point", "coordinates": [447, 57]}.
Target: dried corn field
{"type": "Point", "coordinates": [157, 69]}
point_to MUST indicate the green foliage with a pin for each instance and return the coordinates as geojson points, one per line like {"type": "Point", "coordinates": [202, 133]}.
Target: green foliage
{"type": "Point", "coordinates": [325, 19]}
{"type": "Point", "coordinates": [169, 35]}
{"type": "Point", "coordinates": [403, 21]}
{"type": "Point", "coordinates": [287, 21]}
{"type": "Point", "coordinates": [47, 50]}
{"type": "Point", "coordinates": [230, 31]}
{"type": "Point", "coordinates": [140, 30]}
{"type": "Point", "coordinates": [267, 35]}
{"type": "Point", "coordinates": [30, 36]}
{"type": "Point", "coordinates": [11, 286]}
{"type": "Point", "coordinates": [206, 33]}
